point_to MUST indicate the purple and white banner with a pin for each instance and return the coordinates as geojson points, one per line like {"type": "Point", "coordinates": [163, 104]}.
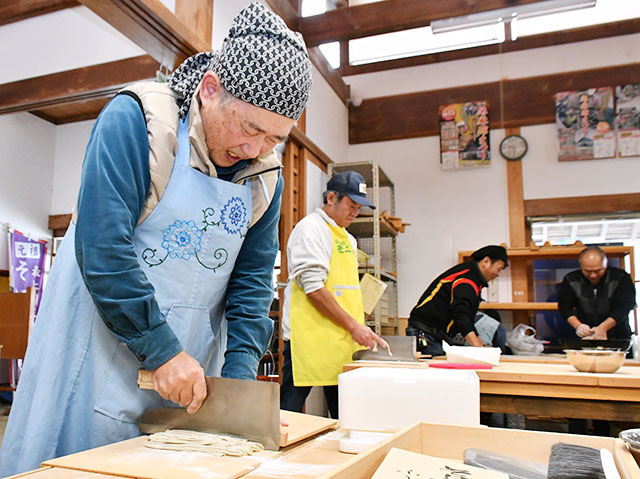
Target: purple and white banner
{"type": "Point", "coordinates": [27, 260]}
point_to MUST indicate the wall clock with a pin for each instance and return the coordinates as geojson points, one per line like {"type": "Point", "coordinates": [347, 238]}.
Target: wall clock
{"type": "Point", "coordinates": [513, 147]}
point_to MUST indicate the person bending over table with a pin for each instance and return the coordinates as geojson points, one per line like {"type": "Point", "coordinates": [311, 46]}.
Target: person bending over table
{"type": "Point", "coordinates": [596, 299]}
{"type": "Point", "coordinates": [447, 309]}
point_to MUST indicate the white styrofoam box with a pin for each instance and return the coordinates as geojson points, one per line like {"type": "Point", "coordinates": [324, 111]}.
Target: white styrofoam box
{"type": "Point", "coordinates": [472, 354]}
{"type": "Point", "coordinates": [388, 399]}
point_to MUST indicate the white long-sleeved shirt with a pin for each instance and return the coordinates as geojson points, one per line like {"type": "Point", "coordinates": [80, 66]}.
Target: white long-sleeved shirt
{"type": "Point", "coordinates": [308, 258]}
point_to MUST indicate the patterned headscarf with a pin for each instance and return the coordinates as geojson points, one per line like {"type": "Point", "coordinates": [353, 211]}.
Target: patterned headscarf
{"type": "Point", "coordinates": [261, 62]}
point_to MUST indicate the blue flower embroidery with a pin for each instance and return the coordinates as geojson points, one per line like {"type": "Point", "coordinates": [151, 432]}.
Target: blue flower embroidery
{"type": "Point", "coordinates": [234, 215]}
{"type": "Point", "coordinates": [182, 239]}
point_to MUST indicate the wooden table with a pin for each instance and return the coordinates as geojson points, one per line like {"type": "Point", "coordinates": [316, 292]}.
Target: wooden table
{"type": "Point", "coordinates": [552, 390]}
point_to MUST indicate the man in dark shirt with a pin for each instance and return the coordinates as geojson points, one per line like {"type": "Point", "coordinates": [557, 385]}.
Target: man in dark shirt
{"type": "Point", "coordinates": [449, 305]}
{"type": "Point", "coordinates": [595, 300]}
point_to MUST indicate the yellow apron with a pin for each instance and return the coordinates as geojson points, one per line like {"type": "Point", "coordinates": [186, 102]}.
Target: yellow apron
{"type": "Point", "coordinates": [319, 347]}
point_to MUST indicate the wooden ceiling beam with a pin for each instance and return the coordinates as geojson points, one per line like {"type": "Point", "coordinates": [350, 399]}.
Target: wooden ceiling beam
{"type": "Point", "coordinates": [389, 16]}
{"type": "Point", "coordinates": [292, 18]}
{"type": "Point", "coordinates": [332, 77]}
{"type": "Point", "coordinates": [82, 84]}
{"type": "Point", "coordinates": [594, 32]}
{"type": "Point", "coordinates": [151, 26]}
{"type": "Point", "coordinates": [16, 10]}
{"type": "Point", "coordinates": [289, 11]}
{"type": "Point", "coordinates": [197, 15]}
{"type": "Point", "coordinates": [518, 102]}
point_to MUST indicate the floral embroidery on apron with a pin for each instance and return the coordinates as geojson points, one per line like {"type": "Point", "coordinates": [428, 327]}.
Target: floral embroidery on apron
{"type": "Point", "coordinates": [183, 239]}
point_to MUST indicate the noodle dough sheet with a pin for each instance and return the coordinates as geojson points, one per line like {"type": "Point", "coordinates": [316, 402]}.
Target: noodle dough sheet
{"type": "Point", "coordinates": [132, 459]}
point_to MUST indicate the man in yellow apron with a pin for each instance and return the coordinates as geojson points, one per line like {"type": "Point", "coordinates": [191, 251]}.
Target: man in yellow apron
{"type": "Point", "coordinates": [323, 317]}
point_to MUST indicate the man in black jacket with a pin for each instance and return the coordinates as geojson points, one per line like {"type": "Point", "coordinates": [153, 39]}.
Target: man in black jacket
{"type": "Point", "coordinates": [447, 309]}
{"type": "Point", "coordinates": [595, 300]}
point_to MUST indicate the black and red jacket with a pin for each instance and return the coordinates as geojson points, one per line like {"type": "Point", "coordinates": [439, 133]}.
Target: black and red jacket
{"type": "Point", "coordinates": [450, 303]}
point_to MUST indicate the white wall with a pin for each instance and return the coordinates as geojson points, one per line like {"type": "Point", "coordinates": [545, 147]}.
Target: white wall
{"type": "Point", "coordinates": [546, 177]}
{"type": "Point", "coordinates": [71, 142]}
{"type": "Point", "coordinates": [327, 119]}
{"type": "Point", "coordinates": [448, 210]}
{"type": "Point", "coordinates": [464, 210]}
{"type": "Point", "coordinates": [26, 159]}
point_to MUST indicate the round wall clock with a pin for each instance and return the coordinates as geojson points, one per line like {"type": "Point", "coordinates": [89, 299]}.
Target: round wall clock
{"type": "Point", "coordinates": [513, 147]}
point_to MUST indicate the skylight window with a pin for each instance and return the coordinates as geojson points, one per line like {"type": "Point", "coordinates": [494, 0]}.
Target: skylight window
{"type": "Point", "coordinates": [331, 52]}
{"type": "Point", "coordinates": [605, 11]}
{"type": "Point", "coordinates": [422, 41]}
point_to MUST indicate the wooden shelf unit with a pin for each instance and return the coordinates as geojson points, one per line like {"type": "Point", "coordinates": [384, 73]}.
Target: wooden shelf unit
{"type": "Point", "coordinates": [521, 265]}
{"type": "Point", "coordinates": [371, 227]}
{"type": "Point", "coordinates": [522, 306]}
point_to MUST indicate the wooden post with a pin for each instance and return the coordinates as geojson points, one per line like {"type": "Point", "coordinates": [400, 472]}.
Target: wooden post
{"type": "Point", "coordinates": [517, 234]}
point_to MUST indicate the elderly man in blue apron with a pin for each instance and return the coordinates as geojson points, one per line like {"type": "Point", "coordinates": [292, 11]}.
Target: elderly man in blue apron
{"type": "Point", "coordinates": [168, 262]}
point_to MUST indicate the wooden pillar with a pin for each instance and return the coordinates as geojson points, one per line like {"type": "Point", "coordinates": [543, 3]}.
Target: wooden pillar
{"type": "Point", "coordinates": [517, 234]}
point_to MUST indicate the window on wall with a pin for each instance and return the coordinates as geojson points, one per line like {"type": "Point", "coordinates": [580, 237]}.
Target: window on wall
{"type": "Point", "coordinates": [618, 230]}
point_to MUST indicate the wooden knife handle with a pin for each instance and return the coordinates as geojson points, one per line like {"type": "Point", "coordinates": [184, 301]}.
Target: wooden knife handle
{"type": "Point", "coordinates": [145, 379]}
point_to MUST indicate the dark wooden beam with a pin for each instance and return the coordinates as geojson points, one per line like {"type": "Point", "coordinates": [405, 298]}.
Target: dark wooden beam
{"type": "Point", "coordinates": [578, 205]}
{"type": "Point", "coordinates": [16, 10]}
{"type": "Point", "coordinates": [523, 101]}
{"type": "Point", "coordinates": [594, 32]}
{"type": "Point", "coordinates": [59, 224]}
{"type": "Point", "coordinates": [304, 141]}
{"type": "Point", "coordinates": [289, 10]}
{"type": "Point", "coordinates": [72, 112]}
{"type": "Point", "coordinates": [292, 18]}
{"type": "Point", "coordinates": [88, 83]}
{"type": "Point", "coordinates": [151, 26]}
{"type": "Point", "coordinates": [390, 16]}
{"type": "Point", "coordinates": [197, 15]}
{"type": "Point", "coordinates": [332, 77]}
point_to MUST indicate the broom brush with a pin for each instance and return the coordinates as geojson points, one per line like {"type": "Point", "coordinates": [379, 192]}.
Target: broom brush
{"type": "Point", "coordinates": [569, 461]}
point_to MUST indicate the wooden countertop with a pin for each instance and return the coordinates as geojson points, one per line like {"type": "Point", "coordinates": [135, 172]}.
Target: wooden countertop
{"type": "Point", "coordinates": [543, 380]}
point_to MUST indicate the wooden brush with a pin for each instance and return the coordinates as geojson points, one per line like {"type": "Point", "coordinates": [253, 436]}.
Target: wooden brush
{"type": "Point", "coordinates": [569, 461]}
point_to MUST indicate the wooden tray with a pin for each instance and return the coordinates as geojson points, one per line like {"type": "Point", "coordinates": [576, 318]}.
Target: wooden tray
{"type": "Point", "coordinates": [302, 426]}
{"type": "Point", "coordinates": [131, 459]}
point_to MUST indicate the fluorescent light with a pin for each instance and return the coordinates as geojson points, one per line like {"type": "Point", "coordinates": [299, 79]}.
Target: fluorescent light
{"type": "Point", "coordinates": [505, 14]}
{"type": "Point", "coordinates": [420, 41]}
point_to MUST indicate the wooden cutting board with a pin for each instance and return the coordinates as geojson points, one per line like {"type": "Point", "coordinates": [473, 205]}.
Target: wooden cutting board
{"type": "Point", "coordinates": [131, 459]}
{"type": "Point", "coordinates": [302, 426]}
{"type": "Point", "coordinates": [62, 473]}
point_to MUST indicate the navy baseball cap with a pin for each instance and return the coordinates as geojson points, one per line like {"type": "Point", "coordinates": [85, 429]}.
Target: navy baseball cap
{"type": "Point", "coordinates": [353, 185]}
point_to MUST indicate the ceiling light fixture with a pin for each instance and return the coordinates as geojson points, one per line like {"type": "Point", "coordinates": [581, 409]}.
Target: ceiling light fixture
{"type": "Point", "coordinates": [508, 14]}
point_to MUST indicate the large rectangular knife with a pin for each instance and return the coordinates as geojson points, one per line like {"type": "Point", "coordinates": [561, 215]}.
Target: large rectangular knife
{"type": "Point", "coordinates": [248, 409]}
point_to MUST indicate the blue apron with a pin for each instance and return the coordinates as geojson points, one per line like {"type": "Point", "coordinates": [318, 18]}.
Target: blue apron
{"type": "Point", "coordinates": [78, 386]}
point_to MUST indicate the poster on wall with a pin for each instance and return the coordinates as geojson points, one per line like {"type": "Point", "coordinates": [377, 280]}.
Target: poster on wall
{"type": "Point", "coordinates": [464, 135]}
{"type": "Point", "coordinates": [584, 120]}
{"type": "Point", "coordinates": [628, 119]}
{"type": "Point", "coordinates": [27, 258]}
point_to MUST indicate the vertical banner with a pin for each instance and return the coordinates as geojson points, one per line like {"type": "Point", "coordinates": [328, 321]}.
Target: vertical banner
{"type": "Point", "coordinates": [27, 262]}
{"type": "Point", "coordinates": [464, 135]}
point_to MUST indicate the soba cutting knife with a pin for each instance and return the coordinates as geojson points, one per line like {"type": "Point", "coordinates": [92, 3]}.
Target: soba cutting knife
{"type": "Point", "coordinates": [248, 409]}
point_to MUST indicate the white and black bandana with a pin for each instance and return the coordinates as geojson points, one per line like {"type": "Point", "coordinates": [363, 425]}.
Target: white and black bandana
{"type": "Point", "coordinates": [261, 62]}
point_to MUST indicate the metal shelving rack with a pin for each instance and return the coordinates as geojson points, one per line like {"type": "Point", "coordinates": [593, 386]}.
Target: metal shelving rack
{"type": "Point", "coordinates": [377, 238]}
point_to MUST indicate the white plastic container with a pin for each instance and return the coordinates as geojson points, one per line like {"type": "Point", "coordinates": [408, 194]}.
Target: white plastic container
{"type": "Point", "coordinates": [388, 399]}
